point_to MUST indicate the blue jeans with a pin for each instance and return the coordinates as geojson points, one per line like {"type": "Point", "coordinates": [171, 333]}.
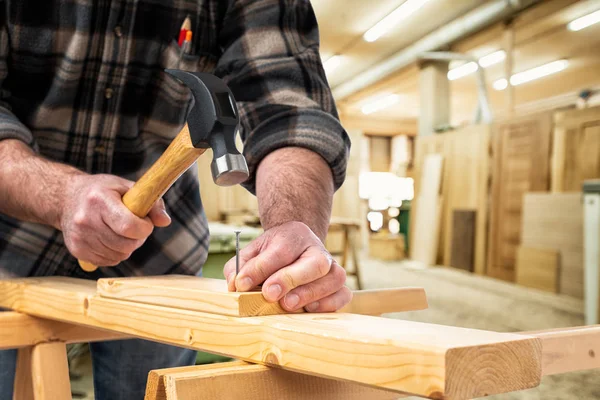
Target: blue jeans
{"type": "Point", "coordinates": [120, 367]}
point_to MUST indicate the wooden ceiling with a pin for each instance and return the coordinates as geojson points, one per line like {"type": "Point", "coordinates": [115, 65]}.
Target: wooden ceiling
{"type": "Point", "coordinates": [540, 37]}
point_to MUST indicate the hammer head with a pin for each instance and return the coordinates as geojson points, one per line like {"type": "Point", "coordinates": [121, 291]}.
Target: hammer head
{"type": "Point", "coordinates": [213, 122]}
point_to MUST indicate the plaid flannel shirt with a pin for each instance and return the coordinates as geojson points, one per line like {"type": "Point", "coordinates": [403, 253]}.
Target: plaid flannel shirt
{"type": "Point", "coordinates": [83, 83]}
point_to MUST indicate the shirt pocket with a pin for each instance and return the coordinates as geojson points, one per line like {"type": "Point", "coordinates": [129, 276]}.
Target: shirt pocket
{"type": "Point", "coordinates": [173, 57]}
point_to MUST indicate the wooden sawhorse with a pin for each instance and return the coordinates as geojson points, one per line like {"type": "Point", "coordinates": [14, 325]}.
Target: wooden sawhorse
{"type": "Point", "coordinates": [322, 356]}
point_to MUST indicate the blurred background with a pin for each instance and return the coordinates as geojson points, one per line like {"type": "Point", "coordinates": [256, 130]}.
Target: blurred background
{"type": "Point", "coordinates": [475, 161]}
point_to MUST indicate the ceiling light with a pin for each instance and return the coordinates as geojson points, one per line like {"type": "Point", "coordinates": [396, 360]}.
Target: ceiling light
{"type": "Point", "coordinates": [584, 22]}
{"type": "Point", "coordinates": [380, 103]}
{"type": "Point", "coordinates": [391, 20]}
{"type": "Point", "coordinates": [500, 84]}
{"type": "Point", "coordinates": [493, 58]}
{"type": "Point", "coordinates": [532, 74]}
{"type": "Point", "coordinates": [463, 70]}
{"type": "Point", "coordinates": [332, 63]}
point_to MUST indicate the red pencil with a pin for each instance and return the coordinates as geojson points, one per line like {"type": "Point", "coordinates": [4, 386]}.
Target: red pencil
{"type": "Point", "coordinates": [185, 28]}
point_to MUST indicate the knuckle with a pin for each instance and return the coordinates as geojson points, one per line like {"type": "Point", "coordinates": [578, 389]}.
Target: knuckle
{"type": "Point", "coordinates": [288, 279]}
{"type": "Point", "coordinates": [339, 274]}
{"type": "Point", "coordinates": [323, 264]}
{"type": "Point", "coordinates": [80, 218]}
{"type": "Point", "coordinates": [308, 294]}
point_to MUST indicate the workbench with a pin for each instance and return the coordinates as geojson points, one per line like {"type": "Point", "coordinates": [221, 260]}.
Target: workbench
{"type": "Point", "coordinates": [350, 354]}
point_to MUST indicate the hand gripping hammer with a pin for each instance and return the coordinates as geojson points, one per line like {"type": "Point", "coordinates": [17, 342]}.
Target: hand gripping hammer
{"type": "Point", "coordinates": [212, 122]}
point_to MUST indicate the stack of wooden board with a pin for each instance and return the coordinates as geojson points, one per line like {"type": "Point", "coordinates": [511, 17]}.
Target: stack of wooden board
{"type": "Point", "coordinates": [465, 179]}
{"type": "Point", "coordinates": [553, 222]}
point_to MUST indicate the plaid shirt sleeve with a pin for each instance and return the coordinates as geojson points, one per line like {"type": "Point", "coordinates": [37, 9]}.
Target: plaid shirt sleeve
{"type": "Point", "coordinates": [271, 62]}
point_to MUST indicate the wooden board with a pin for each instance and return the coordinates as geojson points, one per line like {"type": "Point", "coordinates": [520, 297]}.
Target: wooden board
{"type": "Point", "coordinates": [23, 385]}
{"type": "Point", "coordinates": [569, 349]}
{"type": "Point", "coordinates": [424, 241]}
{"type": "Point", "coordinates": [239, 380]}
{"type": "Point", "coordinates": [463, 239]}
{"type": "Point", "coordinates": [464, 185]}
{"type": "Point", "coordinates": [384, 246]}
{"type": "Point", "coordinates": [521, 163]}
{"type": "Point", "coordinates": [538, 268]}
{"type": "Point", "coordinates": [576, 149]}
{"type": "Point", "coordinates": [211, 295]}
{"type": "Point", "coordinates": [421, 359]}
{"type": "Point", "coordinates": [22, 330]}
{"type": "Point", "coordinates": [555, 221]}
{"type": "Point", "coordinates": [50, 372]}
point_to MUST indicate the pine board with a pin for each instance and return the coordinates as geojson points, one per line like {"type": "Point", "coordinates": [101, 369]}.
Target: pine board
{"type": "Point", "coordinates": [576, 149]}
{"type": "Point", "coordinates": [521, 163]}
{"type": "Point", "coordinates": [554, 221]}
{"type": "Point", "coordinates": [538, 268]}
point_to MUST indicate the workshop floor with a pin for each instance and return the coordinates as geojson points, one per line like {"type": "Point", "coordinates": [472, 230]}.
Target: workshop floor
{"type": "Point", "coordinates": [461, 299]}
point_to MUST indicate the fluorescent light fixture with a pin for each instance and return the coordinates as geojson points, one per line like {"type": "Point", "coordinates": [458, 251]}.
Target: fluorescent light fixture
{"type": "Point", "coordinates": [491, 59]}
{"type": "Point", "coordinates": [470, 67]}
{"type": "Point", "coordinates": [532, 74]}
{"type": "Point", "coordinates": [500, 84]}
{"type": "Point", "coordinates": [392, 19]}
{"type": "Point", "coordinates": [463, 70]}
{"type": "Point", "coordinates": [332, 63]}
{"type": "Point", "coordinates": [585, 21]}
{"type": "Point", "coordinates": [380, 103]}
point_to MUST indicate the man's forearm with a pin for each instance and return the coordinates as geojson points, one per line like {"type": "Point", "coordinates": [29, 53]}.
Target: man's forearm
{"type": "Point", "coordinates": [295, 184]}
{"type": "Point", "coordinates": [31, 188]}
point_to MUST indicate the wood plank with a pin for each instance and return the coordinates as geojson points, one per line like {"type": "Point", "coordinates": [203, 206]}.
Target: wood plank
{"type": "Point", "coordinates": [463, 239]}
{"type": "Point", "coordinates": [241, 380]}
{"type": "Point", "coordinates": [569, 349]}
{"type": "Point", "coordinates": [538, 268]}
{"type": "Point", "coordinates": [424, 241]}
{"type": "Point", "coordinates": [50, 372]}
{"type": "Point", "coordinates": [22, 330]}
{"type": "Point", "coordinates": [211, 295]}
{"type": "Point", "coordinates": [555, 221]}
{"type": "Point", "coordinates": [576, 149]}
{"type": "Point", "coordinates": [23, 385]}
{"type": "Point", "coordinates": [521, 163]}
{"type": "Point", "coordinates": [417, 358]}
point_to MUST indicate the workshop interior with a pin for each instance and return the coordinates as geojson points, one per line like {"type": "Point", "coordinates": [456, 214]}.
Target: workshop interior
{"type": "Point", "coordinates": [467, 223]}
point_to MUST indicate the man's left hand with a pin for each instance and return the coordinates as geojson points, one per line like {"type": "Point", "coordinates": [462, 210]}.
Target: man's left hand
{"type": "Point", "coordinates": [294, 268]}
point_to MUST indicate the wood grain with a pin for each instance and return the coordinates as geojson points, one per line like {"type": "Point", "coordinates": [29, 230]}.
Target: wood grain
{"type": "Point", "coordinates": [422, 359]}
{"type": "Point", "coordinates": [538, 268]}
{"type": "Point", "coordinates": [50, 372]}
{"type": "Point", "coordinates": [463, 239]}
{"type": "Point", "coordinates": [555, 221]}
{"type": "Point", "coordinates": [23, 385]}
{"type": "Point", "coordinates": [521, 163]}
{"type": "Point", "coordinates": [22, 330]}
{"type": "Point", "coordinates": [178, 158]}
{"type": "Point", "coordinates": [212, 295]}
{"type": "Point", "coordinates": [424, 242]}
{"type": "Point", "coordinates": [576, 149]}
{"type": "Point", "coordinates": [239, 380]}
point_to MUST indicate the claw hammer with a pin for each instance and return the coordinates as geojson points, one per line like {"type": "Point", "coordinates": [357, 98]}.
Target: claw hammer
{"type": "Point", "coordinates": [212, 122]}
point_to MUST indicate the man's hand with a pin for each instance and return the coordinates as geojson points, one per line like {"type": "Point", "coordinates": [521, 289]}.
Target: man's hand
{"type": "Point", "coordinates": [296, 270]}
{"type": "Point", "coordinates": [97, 226]}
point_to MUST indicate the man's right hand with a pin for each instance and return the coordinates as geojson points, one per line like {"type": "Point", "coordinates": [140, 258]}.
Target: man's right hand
{"type": "Point", "coordinates": [97, 226]}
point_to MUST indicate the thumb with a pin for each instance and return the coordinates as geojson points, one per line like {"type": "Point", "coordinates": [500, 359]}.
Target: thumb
{"type": "Point", "coordinates": [158, 214]}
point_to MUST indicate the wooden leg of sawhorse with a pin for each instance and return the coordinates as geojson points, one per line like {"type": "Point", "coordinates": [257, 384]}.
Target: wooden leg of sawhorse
{"type": "Point", "coordinates": [42, 373]}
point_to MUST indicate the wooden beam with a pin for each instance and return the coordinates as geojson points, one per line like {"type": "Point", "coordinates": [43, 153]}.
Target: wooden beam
{"type": "Point", "coordinates": [422, 359]}
{"type": "Point", "coordinates": [379, 126]}
{"type": "Point", "coordinates": [50, 372]}
{"type": "Point", "coordinates": [569, 349]}
{"type": "Point", "coordinates": [211, 295]}
{"type": "Point", "coordinates": [240, 380]}
{"type": "Point", "coordinates": [22, 330]}
{"type": "Point", "coordinates": [23, 385]}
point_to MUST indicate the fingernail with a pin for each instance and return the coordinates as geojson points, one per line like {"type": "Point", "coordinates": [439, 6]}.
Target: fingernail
{"type": "Point", "coordinates": [292, 300]}
{"type": "Point", "coordinates": [166, 214]}
{"type": "Point", "coordinates": [312, 306]}
{"type": "Point", "coordinates": [245, 284]}
{"type": "Point", "coordinates": [273, 292]}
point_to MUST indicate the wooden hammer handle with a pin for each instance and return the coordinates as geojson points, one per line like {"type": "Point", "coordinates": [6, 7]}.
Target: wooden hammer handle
{"type": "Point", "coordinates": [179, 156]}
